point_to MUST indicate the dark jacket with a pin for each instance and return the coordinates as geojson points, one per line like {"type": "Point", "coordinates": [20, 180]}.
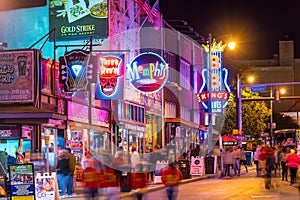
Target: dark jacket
{"type": "Point", "coordinates": [63, 164]}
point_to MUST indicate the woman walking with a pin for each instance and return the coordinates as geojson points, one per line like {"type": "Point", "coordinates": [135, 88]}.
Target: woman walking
{"type": "Point", "coordinates": [293, 162]}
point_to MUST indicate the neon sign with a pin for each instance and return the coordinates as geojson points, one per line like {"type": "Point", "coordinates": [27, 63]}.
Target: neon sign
{"type": "Point", "coordinates": [148, 72]}
{"type": "Point", "coordinates": [219, 87]}
{"type": "Point", "coordinates": [75, 70]}
{"type": "Point", "coordinates": [110, 76]}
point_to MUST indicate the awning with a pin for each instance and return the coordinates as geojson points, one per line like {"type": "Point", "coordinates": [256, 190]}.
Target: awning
{"type": "Point", "coordinates": [27, 115]}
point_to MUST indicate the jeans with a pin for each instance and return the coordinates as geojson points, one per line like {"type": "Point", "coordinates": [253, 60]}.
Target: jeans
{"type": "Point", "coordinates": [70, 183]}
{"type": "Point", "coordinates": [172, 192]}
{"type": "Point", "coordinates": [227, 170]}
{"type": "Point", "coordinates": [62, 183]}
{"type": "Point", "coordinates": [257, 167]}
{"type": "Point", "coordinates": [293, 172]}
{"type": "Point", "coordinates": [236, 166]}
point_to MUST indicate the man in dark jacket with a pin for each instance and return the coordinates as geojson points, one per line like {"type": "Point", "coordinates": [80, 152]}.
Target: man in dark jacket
{"type": "Point", "coordinates": [270, 164]}
{"type": "Point", "coordinates": [63, 171]}
{"type": "Point", "coordinates": [72, 163]}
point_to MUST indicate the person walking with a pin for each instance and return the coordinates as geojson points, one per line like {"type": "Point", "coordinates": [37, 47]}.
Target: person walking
{"type": "Point", "coordinates": [134, 158]}
{"type": "Point", "coordinates": [293, 162]}
{"type": "Point", "coordinates": [277, 161]}
{"type": "Point", "coordinates": [243, 158]}
{"type": "Point", "coordinates": [284, 168]}
{"type": "Point", "coordinates": [262, 159]}
{"type": "Point", "coordinates": [72, 163]}
{"type": "Point", "coordinates": [62, 171]}
{"type": "Point", "coordinates": [270, 164]}
{"type": "Point", "coordinates": [228, 161]}
{"type": "Point", "coordinates": [236, 163]}
{"type": "Point", "coordinates": [171, 178]}
{"type": "Point", "coordinates": [91, 181]}
{"type": "Point", "coordinates": [256, 161]}
{"type": "Point", "coordinates": [138, 181]}
{"type": "Point", "coordinates": [154, 157]}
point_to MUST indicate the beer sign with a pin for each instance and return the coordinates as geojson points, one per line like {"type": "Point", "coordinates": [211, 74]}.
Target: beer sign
{"type": "Point", "coordinates": [17, 76]}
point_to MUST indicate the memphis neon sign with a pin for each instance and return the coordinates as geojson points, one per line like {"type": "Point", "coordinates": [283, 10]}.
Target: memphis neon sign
{"type": "Point", "coordinates": [148, 72]}
{"type": "Point", "coordinates": [220, 90]}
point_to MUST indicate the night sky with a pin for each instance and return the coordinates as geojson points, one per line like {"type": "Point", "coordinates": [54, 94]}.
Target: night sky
{"type": "Point", "coordinates": [256, 25]}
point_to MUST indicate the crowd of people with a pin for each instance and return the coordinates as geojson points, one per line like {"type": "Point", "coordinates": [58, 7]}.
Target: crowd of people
{"type": "Point", "coordinates": [105, 176]}
{"type": "Point", "coordinates": [270, 161]}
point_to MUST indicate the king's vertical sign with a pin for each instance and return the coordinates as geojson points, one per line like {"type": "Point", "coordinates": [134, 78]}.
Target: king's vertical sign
{"type": "Point", "coordinates": [219, 89]}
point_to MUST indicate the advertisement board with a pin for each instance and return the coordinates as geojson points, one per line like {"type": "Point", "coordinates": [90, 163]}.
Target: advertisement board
{"type": "Point", "coordinates": [46, 187]}
{"type": "Point", "coordinates": [22, 181]}
{"type": "Point", "coordinates": [197, 165]}
{"type": "Point", "coordinates": [17, 76]}
{"type": "Point", "coordinates": [77, 19]}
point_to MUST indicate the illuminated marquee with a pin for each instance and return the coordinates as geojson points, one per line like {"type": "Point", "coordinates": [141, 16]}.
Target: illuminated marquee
{"type": "Point", "coordinates": [148, 72]}
{"type": "Point", "coordinates": [110, 80]}
{"type": "Point", "coordinates": [220, 90]}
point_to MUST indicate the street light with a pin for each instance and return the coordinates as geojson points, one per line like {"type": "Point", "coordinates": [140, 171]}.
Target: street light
{"type": "Point", "coordinates": [211, 47]}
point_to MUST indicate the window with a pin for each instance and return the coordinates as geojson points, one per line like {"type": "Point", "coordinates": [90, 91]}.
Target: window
{"type": "Point", "coordinates": [170, 110]}
{"type": "Point", "coordinates": [185, 78]}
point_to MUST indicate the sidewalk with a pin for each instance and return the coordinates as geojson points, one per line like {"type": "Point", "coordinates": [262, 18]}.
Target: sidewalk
{"type": "Point", "coordinates": [151, 186]}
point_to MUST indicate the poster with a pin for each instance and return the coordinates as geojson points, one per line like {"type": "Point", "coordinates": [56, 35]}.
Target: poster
{"type": "Point", "coordinates": [22, 181]}
{"type": "Point", "coordinates": [197, 166]}
{"type": "Point", "coordinates": [160, 166]}
{"type": "Point", "coordinates": [46, 186]}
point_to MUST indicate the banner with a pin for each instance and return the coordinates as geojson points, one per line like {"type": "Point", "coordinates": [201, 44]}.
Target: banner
{"type": "Point", "coordinates": [197, 165]}
{"type": "Point", "coordinates": [22, 181]}
{"type": "Point", "coordinates": [46, 186]}
{"type": "Point", "coordinates": [75, 19]}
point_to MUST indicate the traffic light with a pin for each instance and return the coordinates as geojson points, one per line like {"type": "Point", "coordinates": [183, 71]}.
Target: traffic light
{"type": "Point", "coordinates": [276, 95]}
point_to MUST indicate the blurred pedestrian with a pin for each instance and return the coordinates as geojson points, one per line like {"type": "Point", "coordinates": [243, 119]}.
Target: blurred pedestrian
{"type": "Point", "coordinates": [277, 160]}
{"type": "Point", "coordinates": [293, 162]}
{"type": "Point", "coordinates": [72, 163]}
{"type": "Point", "coordinates": [171, 178]}
{"type": "Point", "coordinates": [91, 181]}
{"type": "Point", "coordinates": [228, 161]}
{"type": "Point", "coordinates": [138, 181]}
{"type": "Point", "coordinates": [236, 162]}
{"type": "Point", "coordinates": [284, 168]}
{"type": "Point", "coordinates": [109, 183]}
{"type": "Point", "coordinates": [10, 160]}
{"type": "Point", "coordinates": [154, 157]}
{"type": "Point", "coordinates": [62, 171]}
{"type": "Point", "coordinates": [243, 160]}
{"type": "Point", "coordinates": [134, 158]}
{"type": "Point", "coordinates": [270, 164]}
{"type": "Point", "coordinates": [256, 160]}
{"type": "Point", "coordinates": [262, 159]}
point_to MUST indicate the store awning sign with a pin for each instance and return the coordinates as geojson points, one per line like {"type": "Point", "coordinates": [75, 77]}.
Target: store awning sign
{"type": "Point", "coordinates": [76, 72]}
{"type": "Point", "coordinates": [148, 72]}
{"type": "Point", "coordinates": [110, 76]}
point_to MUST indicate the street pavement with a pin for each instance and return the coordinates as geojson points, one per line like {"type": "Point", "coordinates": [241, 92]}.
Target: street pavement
{"type": "Point", "coordinates": [152, 187]}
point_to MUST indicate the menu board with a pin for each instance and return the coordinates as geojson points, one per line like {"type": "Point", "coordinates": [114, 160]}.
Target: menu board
{"type": "Point", "coordinates": [22, 181]}
{"type": "Point", "coordinates": [197, 165]}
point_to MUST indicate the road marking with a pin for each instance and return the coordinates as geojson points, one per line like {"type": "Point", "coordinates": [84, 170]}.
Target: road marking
{"type": "Point", "coordinates": [264, 196]}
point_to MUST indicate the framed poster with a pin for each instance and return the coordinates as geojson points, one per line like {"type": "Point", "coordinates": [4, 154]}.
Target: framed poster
{"type": "Point", "coordinates": [22, 181]}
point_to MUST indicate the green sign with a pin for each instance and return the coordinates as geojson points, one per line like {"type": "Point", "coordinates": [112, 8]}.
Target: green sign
{"type": "Point", "coordinates": [79, 19]}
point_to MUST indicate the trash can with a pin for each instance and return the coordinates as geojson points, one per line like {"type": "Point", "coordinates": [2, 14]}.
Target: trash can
{"type": "Point", "coordinates": [184, 167]}
{"type": "Point", "coordinates": [249, 157]}
{"type": "Point", "coordinates": [209, 164]}
{"type": "Point", "coordinates": [124, 176]}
